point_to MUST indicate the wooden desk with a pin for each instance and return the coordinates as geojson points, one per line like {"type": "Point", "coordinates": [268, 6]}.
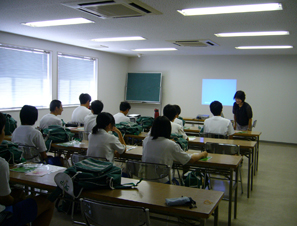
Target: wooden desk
{"type": "Point", "coordinates": [148, 194]}
{"type": "Point", "coordinates": [7, 137]}
{"type": "Point", "coordinates": [194, 121]}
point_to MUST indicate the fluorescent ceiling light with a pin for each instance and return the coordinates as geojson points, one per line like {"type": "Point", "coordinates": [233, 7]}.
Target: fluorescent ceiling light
{"type": "Point", "coordinates": [119, 39]}
{"type": "Point", "coordinates": [264, 47]}
{"type": "Point", "coordinates": [154, 49]}
{"type": "Point", "coordinates": [48, 23]}
{"type": "Point", "coordinates": [256, 33]}
{"type": "Point", "coordinates": [231, 9]}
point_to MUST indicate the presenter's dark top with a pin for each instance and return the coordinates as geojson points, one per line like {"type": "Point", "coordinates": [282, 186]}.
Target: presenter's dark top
{"type": "Point", "coordinates": [243, 113]}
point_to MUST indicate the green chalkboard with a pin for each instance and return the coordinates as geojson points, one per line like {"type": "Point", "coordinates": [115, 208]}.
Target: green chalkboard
{"type": "Point", "coordinates": [144, 87]}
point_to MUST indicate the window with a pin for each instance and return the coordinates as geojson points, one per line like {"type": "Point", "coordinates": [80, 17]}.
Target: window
{"type": "Point", "coordinates": [24, 77]}
{"type": "Point", "coordinates": [76, 75]}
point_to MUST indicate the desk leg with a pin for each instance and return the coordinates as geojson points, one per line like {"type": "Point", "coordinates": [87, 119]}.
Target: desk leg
{"type": "Point", "coordinates": [236, 189]}
{"type": "Point", "coordinates": [249, 174]}
{"type": "Point", "coordinates": [253, 168]}
{"type": "Point", "coordinates": [230, 197]}
{"type": "Point", "coordinates": [258, 145]}
{"type": "Point", "coordinates": [216, 216]}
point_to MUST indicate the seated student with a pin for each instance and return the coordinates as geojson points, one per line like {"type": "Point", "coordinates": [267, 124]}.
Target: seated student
{"type": "Point", "coordinates": [217, 124]}
{"type": "Point", "coordinates": [158, 148]}
{"type": "Point", "coordinates": [38, 210]}
{"type": "Point", "coordinates": [122, 115]}
{"type": "Point", "coordinates": [101, 143]}
{"type": "Point", "coordinates": [51, 118]}
{"type": "Point", "coordinates": [82, 111]}
{"type": "Point", "coordinates": [177, 120]}
{"type": "Point", "coordinates": [90, 120]}
{"type": "Point", "coordinates": [170, 112]}
{"type": "Point", "coordinates": [27, 135]}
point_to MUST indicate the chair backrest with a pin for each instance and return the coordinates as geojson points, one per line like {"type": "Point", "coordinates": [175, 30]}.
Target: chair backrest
{"type": "Point", "coordinates": [65, 182]}
{"type": "Point", "coordinates": [107, 214]}
{"type": "Point", "coordinates": [77, 158]}
{"type": "Point", "coordinates": [148, 171]}
{"type": "Point", "coordinates": [214, 135]}
{"type": "Point", "coordinates": [254, 123]}
{"type": "Point", "coordinates": [29, 152]}
{"type": "Point", "coordinates": [218, 148]}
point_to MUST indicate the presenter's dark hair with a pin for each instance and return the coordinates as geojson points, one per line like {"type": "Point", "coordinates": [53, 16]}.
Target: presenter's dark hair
{"type": "Point", "coordinates": [2, 122]}
{"type": "Point", "coordinates": [84, 98]}
{"type": "Point", "coordinates": [177, 108]}
{"type": "Point", "coordinates": [240, 95]}
{"type": "Point", "coordinates": [28, 115]}
{"type": "Point", "coordinates": [169, 111]}
{"type": "Point", "coordinates": [216, 108]}
{"type": "Point", "coordinates": [97, 106]}
{"type": "Point", "coordinates": [103, 119]}
{"type": "Point", "coordinates": [161, 128]}
{"type": "Point", "coordinates": [124, 106]}
{"type": "Point", "coordinates": [55, 104]}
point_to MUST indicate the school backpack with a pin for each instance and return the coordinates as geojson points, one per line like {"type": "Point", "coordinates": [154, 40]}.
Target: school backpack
{"type": "Point", "coordinates": [56, 134]}
{"type": "Point", "coordinates": [129, 128]}
{"type": "Point", "coordinates": [145, 121]}
{"type": "Point", "coordinates": [184, 122]}
{"type": "Point", "coordinates": [90, 174]}
{"type": "Point", "coordinates": [183, 143]}
{"type": "Point", "coordinates": [10, 152]}
{"type": "Point", "coordinates": [10, 124]}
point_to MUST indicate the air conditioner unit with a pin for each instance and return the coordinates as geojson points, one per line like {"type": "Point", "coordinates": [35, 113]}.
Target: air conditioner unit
{"type": "Point", "coordinates": [195, 43]}
{"type": "Point", "coordinates": [114, 8]}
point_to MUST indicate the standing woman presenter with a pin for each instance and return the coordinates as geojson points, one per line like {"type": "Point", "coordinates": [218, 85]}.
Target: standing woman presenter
{"type": "Point", "coordinates": [242, 111]}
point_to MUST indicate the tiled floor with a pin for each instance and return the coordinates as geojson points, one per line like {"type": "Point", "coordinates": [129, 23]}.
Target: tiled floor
{"type": "Point", "coordinates": [273, 200]}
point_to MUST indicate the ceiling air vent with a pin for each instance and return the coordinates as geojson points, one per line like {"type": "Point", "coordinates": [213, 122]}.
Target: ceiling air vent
{"type": "Point", "coordinates": [114, 8]}
{"type": "Point", "coordinates": [195, 43]}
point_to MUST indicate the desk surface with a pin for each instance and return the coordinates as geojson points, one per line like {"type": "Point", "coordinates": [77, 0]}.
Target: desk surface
{"type": "Point", "coordinates": [194, 119]}
{"type": "Point", "coordinates": [7, 137]}
{"type": "Point", "coordinates": [148, 194]}
{"type": "Point", "coordinates": [195, 129]}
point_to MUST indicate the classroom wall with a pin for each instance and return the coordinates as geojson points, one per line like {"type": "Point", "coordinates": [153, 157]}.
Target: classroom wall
{"type": "Point", "coordinates": [112, 70]}
{"type": "Point", "coordinates": [268, 81]}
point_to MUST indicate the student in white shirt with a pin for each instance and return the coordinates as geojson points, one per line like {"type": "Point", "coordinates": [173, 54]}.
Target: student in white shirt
{"type": "Point", "coordinates": [177, 120]}
{"type": "Point", "coordinates": [37, 209]}
{"type": "Point", "coordinates": [82, 111]}
{"type": "Point", "coordinates": [27, 135]}
{"type": "Point", "coordinates": [158, 148]}
{"type": "Point", "coordinates": [122, 115]}
{"type": "Point", "coordinates": [170, 112]}
{"type": "Point", "coordinates": [50, 119]}
{"type": "Point", "coordinates": [217, 124]}
{"type": "Point", "coordinates": [90, 120]}
{"type": "Point", "coordinates": [103, 144]}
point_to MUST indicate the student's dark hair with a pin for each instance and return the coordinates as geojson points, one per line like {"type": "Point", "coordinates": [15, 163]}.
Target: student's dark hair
{"type": "Point", "coordinates": [216, 108]}
{"type": "Point", "coordinates": [28, 115]}
{"type": "Point", "coordinates": [124, 106]}
{"type": "Point", "coordinates": [161, 128]}
{"type": "Point", "coordinates": [103, 119]}
{"type": "Point", "coordinates": [97, 106]}
{"type": "Point", "coordinates": [169, 111]}
{"type": "Point", "coordinates": [84, 98]}
{"type": "Point", "coordinates": [55, 104]}
{"type": "Point", "coordinates": [240, 95]}
{"type": "Point", "coordinates": [178, 109]}
{"type": "Point", "coordinates": [2, 122]}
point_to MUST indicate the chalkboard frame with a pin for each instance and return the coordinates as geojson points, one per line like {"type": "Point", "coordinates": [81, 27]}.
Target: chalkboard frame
{"type": "Point", "coordinates": [143, 84]}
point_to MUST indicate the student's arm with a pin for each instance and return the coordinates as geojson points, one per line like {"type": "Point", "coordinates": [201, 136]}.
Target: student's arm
{"type": "Point", "coordinates": [121, 139]}
{"type": "Point", "coordinates": [43, 155]}
{"type": "Point", "coordinates": [197, 157]}
{"type": "Point", "coordinates": [6, 200]}
{"type": "Point", "coordinates": [234, 122]}
{"type": "Point", "coordinates": [250, 124]}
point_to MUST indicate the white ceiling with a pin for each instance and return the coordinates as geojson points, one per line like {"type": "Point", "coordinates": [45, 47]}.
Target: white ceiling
{"type": "Point", "coordinates": [157, 29]}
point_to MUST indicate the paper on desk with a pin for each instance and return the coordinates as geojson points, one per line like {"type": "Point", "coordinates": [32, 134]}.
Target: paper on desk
{"type": "Point", "coordinates": [44, 169]}
{"type": "Point", "coordinates": [206, 158]}
{"type": "Point", "coordinates": [69, 143]}
{"type": "Point", "coordinates": [129, 147]}
{"type": "Point", "coordinates": [191, 138]}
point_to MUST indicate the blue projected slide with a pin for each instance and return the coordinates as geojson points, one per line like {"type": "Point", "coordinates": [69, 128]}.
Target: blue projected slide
{"type": "Point", "coordinates": [222, 90]}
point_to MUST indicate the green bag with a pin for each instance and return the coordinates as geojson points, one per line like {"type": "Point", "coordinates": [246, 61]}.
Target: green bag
{"type": "Point", "coordinates": [183, 143]}
{"type": "Point", "coordinates": [10, 125]}
{"type": "Point", "coordinates": [93, 174]}
{"type": "Point", "coordinates": [196, 179]}
{"type": "Point", "coordinates": [10, 152]}
{"type": "Point", "coordinates": [184, 122]}
{"type": "Point", "coordinates": [129, 128]}
{"type": "Point", "coordinates": [56, 134]}
{"type": "Point", "coordinates": [145, 121]}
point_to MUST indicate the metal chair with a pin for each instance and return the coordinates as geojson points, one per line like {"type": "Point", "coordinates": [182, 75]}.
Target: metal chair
{"type": "Point", "coordinates": [30, 153]}
{"type": "Point", "coordinates": [228, 149]}
{"type": "Point", "coordinates": [77, 157]}
{"type": "Point", "coordinates": [108, 214]}
{"type": "Point", "coordinates": [254, 123]}
{"type": "Point", "coordinates": [149, 171]}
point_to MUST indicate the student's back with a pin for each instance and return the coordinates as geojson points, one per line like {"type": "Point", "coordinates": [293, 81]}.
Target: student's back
{"type": "Point", "coordinates": [50, 119]}
{"type": "Point", "coordinates": [122, 115]}
{"type": "Point", "coordinates": [82, 111]}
